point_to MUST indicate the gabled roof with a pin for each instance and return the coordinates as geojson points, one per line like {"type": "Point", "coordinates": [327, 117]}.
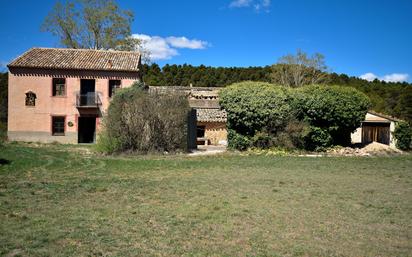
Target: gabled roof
{"type": "Point", "coordinates": [78, 59]}
{"type": "Point", "coordinates": [382, 116]}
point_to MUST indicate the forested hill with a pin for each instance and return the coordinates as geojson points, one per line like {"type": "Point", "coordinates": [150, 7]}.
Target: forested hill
{"type": "Point", "coordinates": [394, 99]}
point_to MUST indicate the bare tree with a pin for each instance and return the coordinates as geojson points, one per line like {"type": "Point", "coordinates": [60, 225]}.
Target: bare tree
{"type": "Point", "coordinates": [300, 69]}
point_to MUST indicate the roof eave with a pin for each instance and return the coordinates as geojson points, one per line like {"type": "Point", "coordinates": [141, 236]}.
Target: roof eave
{"type": "Point", "coordinates": [76, 69]}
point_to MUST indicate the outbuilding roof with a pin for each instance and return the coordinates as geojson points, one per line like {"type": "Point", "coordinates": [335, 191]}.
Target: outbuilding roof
{"type": "Point", "coordinates": [78, 59]}
{"type": "Point", "coordinates": [211, 115]}
{"type": "Point", "coordinates": [373, 116]}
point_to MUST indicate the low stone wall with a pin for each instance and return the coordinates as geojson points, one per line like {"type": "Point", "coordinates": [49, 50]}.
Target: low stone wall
{"type": "Point", "coordinates": [42, 137]}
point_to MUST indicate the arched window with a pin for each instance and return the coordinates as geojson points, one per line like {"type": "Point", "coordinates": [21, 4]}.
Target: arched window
{"type": "Point", "coordinates": [30, 99]}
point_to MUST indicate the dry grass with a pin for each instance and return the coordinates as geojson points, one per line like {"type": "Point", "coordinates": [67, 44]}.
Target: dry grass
{"type": "Point", "coordinates": [61, 201]}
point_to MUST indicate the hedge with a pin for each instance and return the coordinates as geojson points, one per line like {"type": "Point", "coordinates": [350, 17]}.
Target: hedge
{"type": "Point", "coordinates": [260, 115]}
{"type": "Point", "coordinates": [403, 136]}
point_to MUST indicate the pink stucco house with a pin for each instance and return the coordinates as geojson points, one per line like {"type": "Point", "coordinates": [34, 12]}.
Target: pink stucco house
{"type": "Point", "coordinates": [60, 95]}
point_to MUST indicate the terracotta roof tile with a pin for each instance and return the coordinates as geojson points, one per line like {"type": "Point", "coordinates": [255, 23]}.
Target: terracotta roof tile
{"type": "Point", "coordinates": [211, 115]}
{"type": "Point", "coordinates": [78, 59]}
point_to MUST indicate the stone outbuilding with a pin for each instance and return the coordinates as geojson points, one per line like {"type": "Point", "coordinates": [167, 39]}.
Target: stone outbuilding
{"type": "Point", "coordinates": [211, 126]}
{"type": "Point", "coordinates": [376, 128]}
{"type": "Point", "coordinates": [211, 120]}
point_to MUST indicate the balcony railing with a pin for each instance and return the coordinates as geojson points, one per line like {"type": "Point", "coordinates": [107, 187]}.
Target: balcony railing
{"type": "Point", "coordinates": [89, 100]}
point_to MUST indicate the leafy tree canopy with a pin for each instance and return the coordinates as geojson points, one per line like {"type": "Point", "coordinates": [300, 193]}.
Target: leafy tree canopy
{"type": "Point", "coordinates": [387, 97]}
{"type": "Point", "coordinates": [95, 24]}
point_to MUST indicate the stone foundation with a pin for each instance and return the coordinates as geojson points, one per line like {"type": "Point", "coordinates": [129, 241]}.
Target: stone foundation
{"type": "Point", "coordinates": [42, 137]}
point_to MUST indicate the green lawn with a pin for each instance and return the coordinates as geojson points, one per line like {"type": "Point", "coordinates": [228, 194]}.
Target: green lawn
{"type": "Point", "coordinates": [63, 201]}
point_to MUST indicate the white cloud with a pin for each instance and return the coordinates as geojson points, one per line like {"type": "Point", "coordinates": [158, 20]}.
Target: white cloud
{"type": "Point", "coordinates": [240, 3]}
{"type": "Point", "coordinates": [183, 42]}
{"type": "Point", "coordinates": [161, 48]}
{"type": "Point", "coordinates": [394, 77]}
{"type": "Point", "coordinates": [368, 76]}
{"type": "Point", "coordinates": [258, 5]}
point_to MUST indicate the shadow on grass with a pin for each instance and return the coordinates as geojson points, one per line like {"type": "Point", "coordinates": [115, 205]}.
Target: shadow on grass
{"type": "Point", "coordinates": [4, 162]}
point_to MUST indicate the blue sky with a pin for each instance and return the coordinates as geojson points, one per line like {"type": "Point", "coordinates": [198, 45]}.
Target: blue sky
{"type": "Point", "coordinates": [357, 37]}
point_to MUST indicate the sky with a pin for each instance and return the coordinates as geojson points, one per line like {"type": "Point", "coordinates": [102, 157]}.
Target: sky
{"type": "Point", "coordinates": [365, 38]}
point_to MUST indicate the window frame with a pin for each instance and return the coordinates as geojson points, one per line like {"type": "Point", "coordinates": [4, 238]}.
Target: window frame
{"type": "Point", "coordinates": [53, 133]}
{"type": "Point", "coordinates": [54, 90]}
{"type": "Point", "coordinates": [26, 98]}
{"type": "Point", "coordinates": [110, 91]}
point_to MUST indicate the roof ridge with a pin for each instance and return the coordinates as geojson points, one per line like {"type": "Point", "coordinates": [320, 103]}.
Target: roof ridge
{"type": "Point", "coordinates": [78, 59]}
{"type": "Point", "coordinates": [84, 49]}
{"type": "Point", "coordinates": [385, 116]}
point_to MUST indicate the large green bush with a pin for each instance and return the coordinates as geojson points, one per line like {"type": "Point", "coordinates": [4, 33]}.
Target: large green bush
{"type": "Point", "coordinates": [314, 117]}
{"type": "Point", "coordinates": [403, 136]}
{"type": "Point", "coordinates": [336, 110]}
{"type": "Point", "coordinates": [253, 106]}
{"type": "Point", "coordinates": [144, 122]}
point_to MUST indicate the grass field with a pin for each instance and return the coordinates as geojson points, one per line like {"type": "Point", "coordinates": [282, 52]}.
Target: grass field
{"type": "Point", "coordinates": [64, 201]}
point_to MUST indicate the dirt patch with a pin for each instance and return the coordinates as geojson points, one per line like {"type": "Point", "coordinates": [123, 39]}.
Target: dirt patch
{"type": "Point", "coordinates": [208, 150]}
{"type": "Point", "coordinates": [372, 149]}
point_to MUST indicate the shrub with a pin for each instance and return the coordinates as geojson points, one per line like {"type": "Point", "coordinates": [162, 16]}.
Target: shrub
{"type": "Point", "coordinates": [337, 110]}
{"type": "Point", "coordinates": [313, 117]}
{"type": "Point", "coordinates": [256, 106]}
{"type": "Point", "coordinates": [294, 136]}
{"type": "Point", "coordinates": [237, 141]}
{"type": "Point", "coordinates": [145, 122]}
{"type": "Point", "coordinates": [262, 140]}
{"type": "Point", "coordinates": [318, 139]}
{"type": "Point", "coordinates": [403, 136]}
{"type": "Point", "coordinates": [3, 133]}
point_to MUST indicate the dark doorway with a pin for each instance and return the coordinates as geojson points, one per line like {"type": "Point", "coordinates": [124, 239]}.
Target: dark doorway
{"type": "Point", "coordinates": [200, 131]}
{"type": "Point", "coordinates": [87, 86]}
{"type": "Point", "coordinates": [86, 130]}
{"type": "Point", "coordinates": [375, 132]}
{"type": "Point", "coordinates": [87, 92]}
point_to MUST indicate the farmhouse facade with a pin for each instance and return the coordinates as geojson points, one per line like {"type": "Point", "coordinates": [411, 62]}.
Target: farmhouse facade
{"type": "Point", "coordinates": [60, 95]}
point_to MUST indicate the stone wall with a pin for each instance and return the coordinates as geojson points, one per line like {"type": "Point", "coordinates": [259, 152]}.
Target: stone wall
{"type": "Point", "coordinates": [215, 132]}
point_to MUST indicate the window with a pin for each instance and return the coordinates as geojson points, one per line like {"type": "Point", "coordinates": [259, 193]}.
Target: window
{"type": "Point", "coordinates": [30, 99]}
{"type": "Point", "coordinates": [59, 87]}
{"type": "Point", "coordinates": [201, 131]}
{"type": "Point", "coordinates": [113, 86]}
{"type": "Point", "coordinates": [58, 125]}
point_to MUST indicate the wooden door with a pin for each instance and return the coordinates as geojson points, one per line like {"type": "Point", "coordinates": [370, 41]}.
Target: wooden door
{"type": "Point", "coordinates": [376, 132]}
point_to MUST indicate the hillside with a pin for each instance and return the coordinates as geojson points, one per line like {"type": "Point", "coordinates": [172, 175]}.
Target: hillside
{"type": "Point", "coordinates": [394, 99]}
